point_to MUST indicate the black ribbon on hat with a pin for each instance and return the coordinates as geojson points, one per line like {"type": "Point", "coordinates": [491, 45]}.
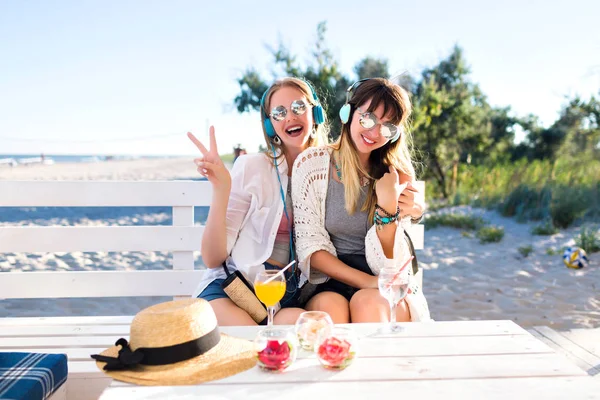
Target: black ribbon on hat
{"type": "Point", "coordinates": [127, 358]}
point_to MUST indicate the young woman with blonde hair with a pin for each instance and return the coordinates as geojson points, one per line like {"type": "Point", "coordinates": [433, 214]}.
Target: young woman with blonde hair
{"type": "Point", "coordinates": [250, 222]}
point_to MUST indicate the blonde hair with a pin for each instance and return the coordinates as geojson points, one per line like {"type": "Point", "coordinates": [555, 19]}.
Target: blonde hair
{"type": "Point", "coordinates": [397, 107]}
{"type": "Point", "coordinates": [321, 130]}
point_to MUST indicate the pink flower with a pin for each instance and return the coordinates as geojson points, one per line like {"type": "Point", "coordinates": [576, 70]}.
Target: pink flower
{"type": "Point", "coordinates": [334, 351]}
{"type": "Point", "coordinates": [275, 355]}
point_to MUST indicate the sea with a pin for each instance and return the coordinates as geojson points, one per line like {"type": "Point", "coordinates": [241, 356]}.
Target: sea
{"type": "Point", "coordinates": [78, 158]}
{"type": "Point", "coordinates": [77, 215]}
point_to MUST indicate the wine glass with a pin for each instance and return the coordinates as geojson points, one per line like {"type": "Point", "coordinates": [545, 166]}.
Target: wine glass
{"type": "Point", "coordinates": [393, 286]}
{"type": "Point", "coordinates": [269, 286]}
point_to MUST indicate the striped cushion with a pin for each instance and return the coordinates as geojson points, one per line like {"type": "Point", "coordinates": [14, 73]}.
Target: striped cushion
{"type": "Point", "coordinates": [31, 375]}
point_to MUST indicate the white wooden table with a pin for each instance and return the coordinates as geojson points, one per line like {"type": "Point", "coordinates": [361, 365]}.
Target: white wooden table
{"type": "Point", "coordinates": [441, 360]}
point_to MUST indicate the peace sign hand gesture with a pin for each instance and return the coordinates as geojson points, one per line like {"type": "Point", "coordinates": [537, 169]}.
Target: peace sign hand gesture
{"type": "Point", "coordinates": [210, 164]}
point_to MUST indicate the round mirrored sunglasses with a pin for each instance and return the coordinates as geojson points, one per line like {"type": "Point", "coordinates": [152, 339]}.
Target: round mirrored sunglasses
{"type": "Point", "coordinates": [369, 121]}
{"type": "Point", "coordinates": [298, 107]}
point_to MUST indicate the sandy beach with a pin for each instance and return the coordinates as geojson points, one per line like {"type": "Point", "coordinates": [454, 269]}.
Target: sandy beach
{"type": "Point", "coordinates": [463, 279]}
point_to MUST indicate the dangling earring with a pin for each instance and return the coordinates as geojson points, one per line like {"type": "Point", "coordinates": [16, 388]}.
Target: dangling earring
{"type": "Point", "coordinates": [277, 140]}
{"type": "Point", "coordinates": [313, 133]}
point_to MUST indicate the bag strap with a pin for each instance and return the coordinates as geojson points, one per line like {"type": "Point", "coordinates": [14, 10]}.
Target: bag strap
{"type": "Point", "coordinates": [411, 247]}
{"type": "Point", "coordinates": [226, 269]}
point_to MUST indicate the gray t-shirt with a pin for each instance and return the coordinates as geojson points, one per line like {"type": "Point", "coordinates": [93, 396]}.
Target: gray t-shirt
{"type": "Point", "coordinates": [347, 232]}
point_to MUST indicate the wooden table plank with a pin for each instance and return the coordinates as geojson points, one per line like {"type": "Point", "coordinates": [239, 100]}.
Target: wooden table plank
{"type": "Point", "coordinates": [368, 347]}
{"type": "Point", "coordinates": [460, 389]}
{"type": "Point", "coordinates": [73, 354]}
{"type": "Point", "coordinates": [10, 343]}
{"type": "Point", "coordinates": [377, 369]}
{"type": "Point", "coordinates": [45, 321]}
{"type": "Point", "coordinates": [52, 326]}
{"type": "Point", "coordinates": [40, 331]}
{"type": "Point", "coordinates": [368, 369]}
{"type": "Point", "coordinates": [411, 329]}
{"type": "Point", "coordinates": [563, 343]}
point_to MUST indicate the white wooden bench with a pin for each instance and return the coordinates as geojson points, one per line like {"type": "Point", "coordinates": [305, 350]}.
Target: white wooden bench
{"type": "Point", "coordinates": [78, 337]}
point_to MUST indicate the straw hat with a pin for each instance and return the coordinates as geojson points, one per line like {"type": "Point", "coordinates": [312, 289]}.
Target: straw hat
{"type": "Point", "coordinates": [176, 343]}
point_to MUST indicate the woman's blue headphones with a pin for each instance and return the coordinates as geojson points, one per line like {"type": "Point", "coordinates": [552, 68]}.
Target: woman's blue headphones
{"type": "Point", "coordinates": [318, 112]}
{"type": "Point", "coordinates": [346, 108]}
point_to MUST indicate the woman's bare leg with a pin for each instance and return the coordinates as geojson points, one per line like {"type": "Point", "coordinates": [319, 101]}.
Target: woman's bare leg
{"type": "Point", "coordinates": [229, 314]}
{"type": "Point", "coordinates": [333, 304]}
{"type": "Point", "coordinates": [367, 305]}
{"type": "Point", "coordinates": [287, 316]}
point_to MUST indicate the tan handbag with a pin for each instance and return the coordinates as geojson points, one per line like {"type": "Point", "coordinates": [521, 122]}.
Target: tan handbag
{"type": "Point", "coordinates": [242, 294]}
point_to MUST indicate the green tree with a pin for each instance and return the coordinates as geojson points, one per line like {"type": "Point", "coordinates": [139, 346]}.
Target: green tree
{"type": "Point", "coordinates": [452, 120]}
{"type": "Point", "coordinates": [576, 133]}
{"type": "Point", "coordinates": [579, 120]}
{"type": "Point", "coordinates": [322, 71]}
{"type": "Point", "coordinates": [252, 87]}
{"type": "Point", "coordinates": [370, 67]}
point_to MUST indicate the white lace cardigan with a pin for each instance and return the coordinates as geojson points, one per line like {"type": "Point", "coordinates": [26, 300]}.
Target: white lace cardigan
{"type": "Point", "coordinates": [310, 178]}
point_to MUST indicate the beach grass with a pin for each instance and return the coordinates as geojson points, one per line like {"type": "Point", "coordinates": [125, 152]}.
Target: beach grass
{"type": "Point", "coordinates": [525, 250]}
{"type": "Point", "coordinates": [454, 220]}
{"type": "Point", "coordinates": [562, 191]}
{"type": "Point", "coordinates": [588, 239]}
{"type": "Point", "coordinates": [546, 228]}
{"type": "Point", "coordinates": [490, 234]}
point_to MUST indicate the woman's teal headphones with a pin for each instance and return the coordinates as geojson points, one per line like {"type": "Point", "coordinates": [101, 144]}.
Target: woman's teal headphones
{"type": "Point", "coordinates": [318, 112]}
{"type": "Point", "coordinates": [347, 108]}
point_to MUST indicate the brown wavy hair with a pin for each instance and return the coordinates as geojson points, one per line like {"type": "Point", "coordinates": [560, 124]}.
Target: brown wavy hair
{"type": "Point", "coordinates": [397, 107]}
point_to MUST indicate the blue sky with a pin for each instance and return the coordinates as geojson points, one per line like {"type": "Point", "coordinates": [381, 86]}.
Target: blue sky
{"type": "Point", "coordinates": [95, 77]}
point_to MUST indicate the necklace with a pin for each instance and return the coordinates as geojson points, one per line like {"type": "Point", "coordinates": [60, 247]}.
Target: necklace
{"type": "Point", "coordinates": [364, 181]}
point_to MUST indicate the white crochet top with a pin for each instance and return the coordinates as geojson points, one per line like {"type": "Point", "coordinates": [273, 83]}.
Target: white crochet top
{"type": "Point", "coordinates": [310, 177]}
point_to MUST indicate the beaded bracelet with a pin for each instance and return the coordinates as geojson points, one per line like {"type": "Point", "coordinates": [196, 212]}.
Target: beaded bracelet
{"type": "Point", "coordinates": [383, 210]}
{"type": "Point", "coordinates": [386, 219]}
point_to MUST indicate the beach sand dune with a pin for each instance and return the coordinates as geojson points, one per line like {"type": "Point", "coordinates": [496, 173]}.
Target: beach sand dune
{"type": "Point", "coordinates": [467, 280]}
{"type": "Point", "coordinates": [463, 279]}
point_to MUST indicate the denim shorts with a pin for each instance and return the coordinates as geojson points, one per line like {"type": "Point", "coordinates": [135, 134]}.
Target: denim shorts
{"type": "Point", "coordinates": [213, 291]}
{"type": "Point", "coordinates": [290, 299]}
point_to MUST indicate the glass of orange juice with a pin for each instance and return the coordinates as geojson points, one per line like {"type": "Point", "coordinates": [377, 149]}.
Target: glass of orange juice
{"type": "Point", "coordinates": [269, 288]}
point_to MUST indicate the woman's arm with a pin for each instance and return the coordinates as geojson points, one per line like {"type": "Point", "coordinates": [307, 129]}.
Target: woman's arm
{"type": "Point", "coordinates": [227, 212]}
{"type": "Point", "coordinates": [388, 191]}
{"type": "Point", "coordinates": [336, 269]}
{"type": "Point", "coordinates": [214, 250]}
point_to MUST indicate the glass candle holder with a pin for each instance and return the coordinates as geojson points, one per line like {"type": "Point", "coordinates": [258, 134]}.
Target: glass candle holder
{"type": "Point", "coordinates": [336, 347]}
{"type": "Point", "coordinates": [276, 349]}
{"type": "Point", "coordinates": [308, 325]}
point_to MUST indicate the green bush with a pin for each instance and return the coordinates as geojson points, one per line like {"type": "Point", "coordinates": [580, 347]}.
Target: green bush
{"type": "Point", "coordinates": [567, 205]}
{"type": "Point", "coordinates": [564, 190]}
{"type": "Point", "coordinates": [588, 239]}
{"type": "Point", "coordinates": [545, 229]}
{"type": "Point", "coordinates": [454, 220]}
{"type": "Point", "coordinates": [490, 234]}
{"type": "Point", "coordinates": [526, 250]}
{"type": "Point", "coordinates": [526, 203]}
